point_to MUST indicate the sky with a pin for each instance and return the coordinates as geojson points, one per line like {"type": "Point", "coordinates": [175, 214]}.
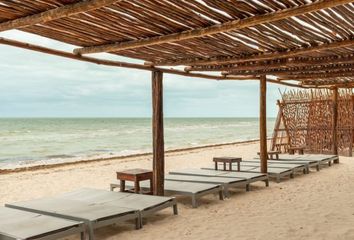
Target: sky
{"type": "Point", "coordinates": [38, 85]}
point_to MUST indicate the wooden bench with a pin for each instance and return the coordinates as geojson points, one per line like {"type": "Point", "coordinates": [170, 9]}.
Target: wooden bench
{"type": "Point", "coordinates": [271, 154]}
{"type": "Point", "coordinates": [228, 160]}
{"type": "Point", "coordinates": [293, 149]}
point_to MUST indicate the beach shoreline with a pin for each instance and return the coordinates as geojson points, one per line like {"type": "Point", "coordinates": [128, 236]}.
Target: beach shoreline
{"type": "Point", "coordinates": [34, 167]}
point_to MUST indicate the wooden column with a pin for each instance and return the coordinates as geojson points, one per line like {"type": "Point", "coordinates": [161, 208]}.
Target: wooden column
{"type": "Point", "coordinates": [334, 121]}
{"type": "Point", "coordinates": [263, 123]}
{"type": "Point", "coordinates": [158, 134]}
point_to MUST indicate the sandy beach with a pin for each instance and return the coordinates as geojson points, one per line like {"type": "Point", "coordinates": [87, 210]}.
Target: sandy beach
{"type": "Point", "coordinates": [315, 206]}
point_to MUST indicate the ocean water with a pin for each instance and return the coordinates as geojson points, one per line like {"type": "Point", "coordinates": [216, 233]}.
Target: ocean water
{"type": "Point", "coordinates": [35, 141]}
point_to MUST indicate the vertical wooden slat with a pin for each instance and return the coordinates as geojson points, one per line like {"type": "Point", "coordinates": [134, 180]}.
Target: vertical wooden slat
{"type": "Point", "coordinates": [263, 123]}
{"type": "Point", "coordinates": [335, 120]}
{"type": "Point", "coordinates": [276, 132]}
{"type": "Point", "coordinates": [351, 127]}
{"type": "Point", "coordinates": [158, 134]}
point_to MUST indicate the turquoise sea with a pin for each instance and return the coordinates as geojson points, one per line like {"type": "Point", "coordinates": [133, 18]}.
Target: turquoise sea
{"type": "Point", "coordinates": [32, 141]}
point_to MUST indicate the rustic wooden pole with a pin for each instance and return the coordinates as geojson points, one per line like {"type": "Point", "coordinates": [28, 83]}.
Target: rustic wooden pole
{"type": "Point", "coordinates": [55, 13]}
{"type": "Point", "coordinates": [335, 121]}
{"type": "Point", "coordinates": [158, 134]}
{"type": "Point", "coordinates": [263, 123]}
{"type": "Point", "coordinates": [214, 29]}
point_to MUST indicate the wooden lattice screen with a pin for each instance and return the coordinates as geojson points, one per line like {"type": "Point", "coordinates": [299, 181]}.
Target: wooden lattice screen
{"type": "Point", "coordinates": [305, 118]}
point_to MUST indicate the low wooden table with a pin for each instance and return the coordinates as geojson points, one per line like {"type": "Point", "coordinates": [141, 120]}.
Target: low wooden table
{"type": "Point", "coordinates": [228, 160]}
{"type": "Point", "coordinates": [294, 149]}
{"type": "Point", "coordinates": [135, 175]}
{"type": "Point", "coordinates": [271, 154]}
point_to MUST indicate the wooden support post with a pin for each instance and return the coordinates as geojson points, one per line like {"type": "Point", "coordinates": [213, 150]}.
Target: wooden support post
{"type": "Point", "coordinates": [158, 134]}
{"type": "Point", "coordinates": [335, 120]}
{"type": "Point", "coordinates": [263, 123]}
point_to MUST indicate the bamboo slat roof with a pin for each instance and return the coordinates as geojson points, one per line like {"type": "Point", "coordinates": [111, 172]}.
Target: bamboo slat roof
{"type": "Point", "coordinates": [313, 47]}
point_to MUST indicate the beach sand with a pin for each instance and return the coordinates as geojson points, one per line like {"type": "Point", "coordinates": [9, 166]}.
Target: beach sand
{"type": "Point", "coordinates": [319, 205]}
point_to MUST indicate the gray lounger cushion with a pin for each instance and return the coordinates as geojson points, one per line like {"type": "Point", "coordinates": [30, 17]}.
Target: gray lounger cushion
{"type": "Point", "coordinates": [251, 177]}
{"type": "Point", "coordinates": [17, 224]}
{"type": "Point", "coordinates": [304, 167]}
{"type": "Point", "coordinates": [147, 204]}
{"type": "Point", "coordinates": [93, 215]}
{"type": "Point", "coordinates": [224, 181]}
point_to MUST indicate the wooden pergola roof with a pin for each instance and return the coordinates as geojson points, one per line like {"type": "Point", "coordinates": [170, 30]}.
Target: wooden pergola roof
{"type": "Point", "coordinates": [309, 41]}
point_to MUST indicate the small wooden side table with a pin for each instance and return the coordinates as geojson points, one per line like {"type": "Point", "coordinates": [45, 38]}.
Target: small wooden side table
{"type": "Point", "coordinates": [135, 175]}
{"type": "Point", "coordinates": [271, 154]}
{"type": "Point", "coordinates": [294, 149]}
{"type": "Point", "coordinates": [228, 160]}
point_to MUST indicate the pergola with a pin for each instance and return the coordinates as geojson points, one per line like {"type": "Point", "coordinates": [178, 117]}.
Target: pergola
{"type": "Point", "coordinates": [298, 43]}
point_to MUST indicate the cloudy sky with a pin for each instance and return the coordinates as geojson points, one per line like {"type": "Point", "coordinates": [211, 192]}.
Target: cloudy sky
{"type": "Point", "coordinates": [38, 85]}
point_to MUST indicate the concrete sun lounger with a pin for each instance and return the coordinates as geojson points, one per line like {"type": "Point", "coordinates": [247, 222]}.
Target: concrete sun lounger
{"type": "Point", "coordinates": [283, 171]}
{"type": "Point", "coordinates": [189, 189]}
{"type": "Point", "coordinates": [93, 215]}
{"type": "Point", "coordinates": [273, 172]}
{"type": "Point", "coordinates": [295, 159]}
{"type": "Point", "coordinates": [208, 172]}
{"type": "Point", "coordinates": [16, 224]}
{"type": "Point", "coordinates": [226, 182]}
{"type": "Point", "coordinates": [324, 159]}
{"type": "Point", "coordinates": [303, 168]}
{"type": "Point", "coordinates": [277, 173]}
{"type": "Point", "coordinates": [314, 160]}
{"type": "Point", "coordinates": [145, 204]}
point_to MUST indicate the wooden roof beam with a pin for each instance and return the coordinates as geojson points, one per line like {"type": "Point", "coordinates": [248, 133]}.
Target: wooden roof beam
{"type": "Point", "coordinates": [259, 57]}
{"type": "Point", "coordinates": [218, 28]}
{"type": "Point", "coordinates": [56, 13]}
{"type": "Point", "coordinates": [328, 86]}
{"type": "Point", "coordinates": [316, 76]}
{"type": "Point", "coordinates": [285, 83]}
{"type": "Point", "coordinates": [293, 70]}
{"type": "Point", "coordinates": [289, 63]}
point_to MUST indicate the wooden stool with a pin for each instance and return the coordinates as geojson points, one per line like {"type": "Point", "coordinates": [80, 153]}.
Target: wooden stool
{"type": "Point", "coordinates": [135, 175]}
{"type": "Point", "coordinates": [270, 154]}
{"type": "Point", "coordinates": [228, 160]}
{"type": "Point", "coordinates": [292, 150]}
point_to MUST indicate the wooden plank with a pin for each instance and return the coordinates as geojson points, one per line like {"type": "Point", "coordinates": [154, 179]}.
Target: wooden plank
{"type": "Point", "coordinates": [214, 29]}
{"type": "Point", "coordinates": [56, 13]}
{"type": "Point", "coordinates": [276, 132]}
{"type": "Point", "coordinates": [263, 123]}
{"type": "Point", "coordinates": [158, 134]}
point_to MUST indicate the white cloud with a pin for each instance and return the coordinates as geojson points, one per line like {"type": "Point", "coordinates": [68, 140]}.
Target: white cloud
{"type": "Point", "coordinates": [35, 84]}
